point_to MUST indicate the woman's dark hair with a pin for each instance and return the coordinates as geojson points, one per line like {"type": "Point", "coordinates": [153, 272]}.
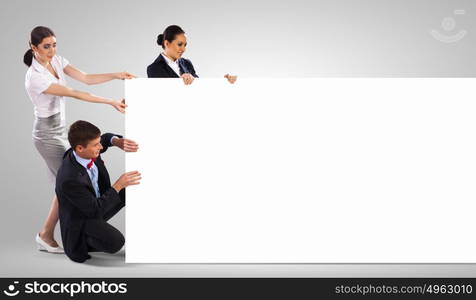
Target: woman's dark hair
{"type": "Point", "coordinates": [169, 34]}
{"type": "Point", "coordinates": [81, 133]}
{"type": "Point", "coordinates": [37, 35]}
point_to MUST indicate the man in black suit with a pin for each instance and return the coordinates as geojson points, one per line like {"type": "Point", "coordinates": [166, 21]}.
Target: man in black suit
{"type": "Point", "coordinates": [86, 198]}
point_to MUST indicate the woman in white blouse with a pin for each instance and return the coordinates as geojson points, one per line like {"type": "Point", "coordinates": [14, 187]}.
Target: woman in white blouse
{"type": "Point", "coordinates": [46, 86]}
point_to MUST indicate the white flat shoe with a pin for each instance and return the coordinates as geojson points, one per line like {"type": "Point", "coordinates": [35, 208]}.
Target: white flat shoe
{"type": "Point", "coordinates": [43, 246]}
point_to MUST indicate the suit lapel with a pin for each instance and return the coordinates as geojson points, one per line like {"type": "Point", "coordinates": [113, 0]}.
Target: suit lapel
{"type": "Point", "coordinates": [169, 70]}
{"type": "Point", "coordinates": [103, 176]}
{"type": "Point", "coordinates": [182, 66]}
{"type": "Point", "coordinates": [84, 177]}
{"type": "Point", "coordinates": [82, 173]}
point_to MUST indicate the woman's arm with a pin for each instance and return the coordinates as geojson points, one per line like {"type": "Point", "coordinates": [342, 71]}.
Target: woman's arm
{"type": "Point", "coordinates": [89, 79]}
{"type": "Point", "coordinates": [61, 90]}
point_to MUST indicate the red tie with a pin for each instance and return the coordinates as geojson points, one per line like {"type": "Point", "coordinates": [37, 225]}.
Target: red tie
{"type": "Point", "coordinates": [90, 164]}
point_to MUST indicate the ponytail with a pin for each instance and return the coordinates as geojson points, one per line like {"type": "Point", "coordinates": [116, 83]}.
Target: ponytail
{"type": "Point", "coordinates": [28, 57]}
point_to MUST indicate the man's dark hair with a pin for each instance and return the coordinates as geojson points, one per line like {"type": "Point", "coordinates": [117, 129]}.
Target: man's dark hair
{"type": "Point", "coordinates": [81, 133]}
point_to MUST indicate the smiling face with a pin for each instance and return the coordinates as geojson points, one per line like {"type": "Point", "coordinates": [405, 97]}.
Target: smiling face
{"type": "Point", "coordinates": [92, 149]}
{"type": "Point", "coordinates": [45, 51]}
{"type": "Point", "coordinates": [176, 48]}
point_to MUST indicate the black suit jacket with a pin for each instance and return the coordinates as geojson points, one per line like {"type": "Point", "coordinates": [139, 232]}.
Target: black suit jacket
{"type": "Point", "coordinates": [78, 202]}
{"type": "Point", "coordinates": [160, 69]}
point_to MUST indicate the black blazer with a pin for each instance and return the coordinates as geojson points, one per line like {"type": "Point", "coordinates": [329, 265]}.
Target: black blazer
{"type": "Point", "coordinates": [78, 202]}
{"type": "Point", "coordinates": [160, 69]}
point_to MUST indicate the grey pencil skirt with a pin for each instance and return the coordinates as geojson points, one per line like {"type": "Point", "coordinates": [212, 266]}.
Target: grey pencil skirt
{"type": "Point", "coordinates": [49, 138]}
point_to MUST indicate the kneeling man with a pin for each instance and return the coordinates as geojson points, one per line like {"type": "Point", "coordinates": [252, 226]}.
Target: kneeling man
{"type": "Point", "coordinates": [85, 195]}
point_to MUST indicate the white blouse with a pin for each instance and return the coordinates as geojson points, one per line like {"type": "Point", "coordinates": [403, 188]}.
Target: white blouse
{"type": "Point", "coordinates": [38, 79]}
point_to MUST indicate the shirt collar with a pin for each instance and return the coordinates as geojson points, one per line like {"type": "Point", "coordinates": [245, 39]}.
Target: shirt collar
{"type": "Point", "coordinates": [82, 161]}
{"type": "Point", "coordinates": [168, 60]}
{"type": "Point", "coordinates": [37, 66]}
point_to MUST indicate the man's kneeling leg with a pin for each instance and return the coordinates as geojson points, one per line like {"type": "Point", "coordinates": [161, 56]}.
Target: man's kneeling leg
{"type": "Point", "coordinates": [103, 237]}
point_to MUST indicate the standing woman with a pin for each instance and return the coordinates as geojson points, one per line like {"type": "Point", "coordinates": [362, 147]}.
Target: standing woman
{"type": "Point", "coordinates": [170, 63]}
{"type": "Point", "coordinates": [45, 84]}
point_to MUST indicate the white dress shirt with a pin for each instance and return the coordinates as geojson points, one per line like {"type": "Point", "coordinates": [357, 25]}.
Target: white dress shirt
{"type": "Point", "coordinates": [173, 64]}
{"type": "Point", "coordinates": [38, 79]}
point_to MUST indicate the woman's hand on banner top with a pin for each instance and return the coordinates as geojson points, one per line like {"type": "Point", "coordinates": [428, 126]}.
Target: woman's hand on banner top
{"type": "Point", "coordinates": [124, 75]}
{"type": "Point", "coordinates": [187, 78]}
{"type": "Point", "coordinates": [231, 78]}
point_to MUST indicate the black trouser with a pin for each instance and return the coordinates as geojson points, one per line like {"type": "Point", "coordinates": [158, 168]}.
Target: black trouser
{"type": "Point", "coordinates": [102, 236]}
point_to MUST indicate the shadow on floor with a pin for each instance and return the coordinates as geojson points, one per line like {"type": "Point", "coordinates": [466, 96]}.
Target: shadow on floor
{"type": "Point", "coordinates": [101, 259]}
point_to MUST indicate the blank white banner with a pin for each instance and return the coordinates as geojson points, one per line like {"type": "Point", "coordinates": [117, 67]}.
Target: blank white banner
{"type": "Point", "coordinates": [302, 171]}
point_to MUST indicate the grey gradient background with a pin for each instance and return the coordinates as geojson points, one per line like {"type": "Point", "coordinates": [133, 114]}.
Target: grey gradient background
{"type": "Point", "coordinates": [320, 38]}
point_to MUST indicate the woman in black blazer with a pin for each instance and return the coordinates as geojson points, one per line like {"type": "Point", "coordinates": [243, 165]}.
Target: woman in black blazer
{"type": "Point", "coordinates": [170, 63]}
